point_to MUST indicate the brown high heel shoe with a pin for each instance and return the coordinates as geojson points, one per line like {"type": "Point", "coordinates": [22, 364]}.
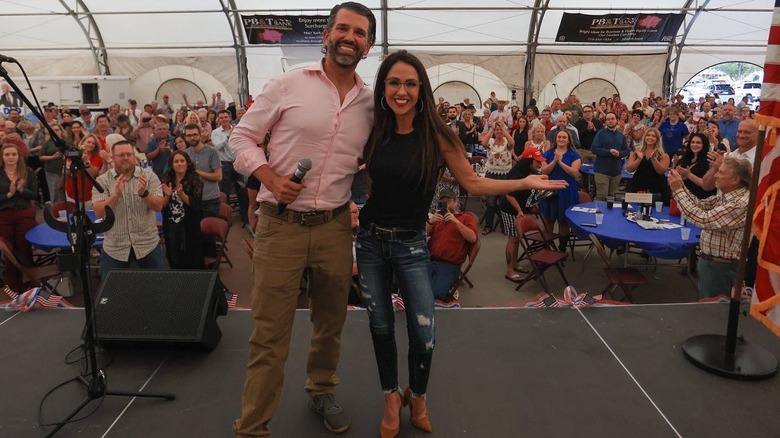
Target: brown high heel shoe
{"type": "Point", "coordinates": [391, 422]}
{"type": "Point", "coordinates": [418, 411]}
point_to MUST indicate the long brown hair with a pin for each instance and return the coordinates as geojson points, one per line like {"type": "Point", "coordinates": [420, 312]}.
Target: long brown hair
{"type": "Point", "coordinates": [428, 126]}
{"type": "Point", "coordinates": [21, 167]}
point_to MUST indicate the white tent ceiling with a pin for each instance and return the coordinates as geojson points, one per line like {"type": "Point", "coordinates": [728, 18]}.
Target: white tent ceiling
{"type": "Point", "coordinates": [204, 37]}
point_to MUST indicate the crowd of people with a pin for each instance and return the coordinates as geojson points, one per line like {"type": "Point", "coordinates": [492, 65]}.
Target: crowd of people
{"type": "Point", "coordinates": [411, 156]}
{"type": "Point", "coordinates": [150, 159]}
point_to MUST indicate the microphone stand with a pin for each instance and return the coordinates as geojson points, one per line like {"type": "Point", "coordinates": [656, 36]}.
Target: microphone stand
{"type": "Point", "coordinates": [82, 233]}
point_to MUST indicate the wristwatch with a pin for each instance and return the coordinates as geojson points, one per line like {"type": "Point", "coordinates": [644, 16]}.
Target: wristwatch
{"type": "Point", "coordinates": [144, 194]}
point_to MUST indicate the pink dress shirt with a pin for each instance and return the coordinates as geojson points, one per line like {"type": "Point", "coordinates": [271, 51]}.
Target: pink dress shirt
{"type": "Point", "coordinates": [302, 110]}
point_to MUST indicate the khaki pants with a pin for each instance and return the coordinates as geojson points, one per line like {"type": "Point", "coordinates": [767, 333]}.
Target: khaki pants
{"type": "Point", "coordinates": [282, 251]}
{"type": "Point", "coordinates": [606, 186]}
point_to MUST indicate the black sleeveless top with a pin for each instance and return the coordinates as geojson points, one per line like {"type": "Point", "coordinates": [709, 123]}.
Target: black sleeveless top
{"type": "Point", "coordinates": [397, 198]}
{"type": "Point", "coordinates": [647, 179]}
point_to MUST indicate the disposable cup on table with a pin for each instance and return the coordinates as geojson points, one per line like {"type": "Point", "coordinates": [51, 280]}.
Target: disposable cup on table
{"type": "Point", "coordinates": [610, 202]}
{"type": "Point", "coordinates": [599, 218]}
{"type": "Point", "coordinates": [685, 233]}
{"type": "Point", "coordinates": [658, 206]}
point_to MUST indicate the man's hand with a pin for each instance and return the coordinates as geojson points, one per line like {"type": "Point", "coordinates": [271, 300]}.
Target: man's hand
{"type": "Point", "coordinates": [437, 217]}
{"type": "Point", "coordinates": [449, 217]}
{"type": "Point", "coordinates": [284, 190]}
{"type": "Point", "coordinates": [120, 185]}
{"type": "Point", "coordinates": [614, 152]}
{"type": "Point", "coordinates": [675, 180]}
{"type": "Point", "coordinates": [141, 184]}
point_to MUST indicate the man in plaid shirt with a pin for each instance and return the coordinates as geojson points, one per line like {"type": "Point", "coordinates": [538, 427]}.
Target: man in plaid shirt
{"type": "Point", "coordinates": [722, 221]}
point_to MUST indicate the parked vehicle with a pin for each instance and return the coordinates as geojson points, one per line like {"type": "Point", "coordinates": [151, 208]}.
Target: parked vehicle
{"type": "Point", "coordinates": [750, 89]}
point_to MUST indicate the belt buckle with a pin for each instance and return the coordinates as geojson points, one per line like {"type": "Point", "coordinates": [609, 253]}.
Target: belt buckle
{"type": "Point", "coordinates": [306, 216]}
{"type": "Point", "coordinates": [387, 234]}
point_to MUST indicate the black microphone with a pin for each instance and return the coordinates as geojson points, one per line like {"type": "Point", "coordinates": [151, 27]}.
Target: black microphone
{"type": "Point", "coordinates": [304, 165]}
{"type": "Point", "coordinates": [7, 59]}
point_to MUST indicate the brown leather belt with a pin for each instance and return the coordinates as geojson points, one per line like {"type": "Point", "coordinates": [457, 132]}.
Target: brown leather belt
{"type": "Point", "coordinates": [307, 218]}
{"type": "Point", "coordinates": [710, 258]}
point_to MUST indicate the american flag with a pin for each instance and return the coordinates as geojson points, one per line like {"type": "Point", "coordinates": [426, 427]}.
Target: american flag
{"type": "Point", "coordinates": [35, 298]}
{"type": "Point", "coordinates": [766, 219]}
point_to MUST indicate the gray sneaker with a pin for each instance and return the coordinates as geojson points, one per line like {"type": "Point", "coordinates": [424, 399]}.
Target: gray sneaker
{"type": "Point", "coordinates": [336, 420]}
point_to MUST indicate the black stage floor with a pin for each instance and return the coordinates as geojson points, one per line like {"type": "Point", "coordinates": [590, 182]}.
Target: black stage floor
{"type": "Point", "coordinates": [604, 372]}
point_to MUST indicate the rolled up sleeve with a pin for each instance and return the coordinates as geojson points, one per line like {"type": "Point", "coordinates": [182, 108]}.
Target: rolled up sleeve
{"type": "Point", "coordinates": [251, 130]}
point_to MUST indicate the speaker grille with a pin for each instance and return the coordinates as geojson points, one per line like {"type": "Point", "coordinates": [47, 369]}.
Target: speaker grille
{"type": "Point", "coordinates": [154, 305]}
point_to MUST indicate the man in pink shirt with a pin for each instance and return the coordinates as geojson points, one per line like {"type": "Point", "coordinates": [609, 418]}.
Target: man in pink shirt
{"type": "Point", "coordinates": [314, 231]}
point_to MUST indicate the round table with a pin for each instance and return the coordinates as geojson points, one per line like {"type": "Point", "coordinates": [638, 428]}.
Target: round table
{"type": "Point", "coordinates": [617, 230]}
{"type": "Point", "coordinates": [45, 237]}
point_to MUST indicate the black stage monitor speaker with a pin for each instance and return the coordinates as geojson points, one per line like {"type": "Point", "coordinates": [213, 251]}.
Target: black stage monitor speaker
{"type": "Point", "coordinates": [171, 309]}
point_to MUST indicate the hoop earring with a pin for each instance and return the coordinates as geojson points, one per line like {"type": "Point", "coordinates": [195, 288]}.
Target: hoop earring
{"type": "Point", "coordinates": [383, 104]}
{"type": "Point", "coordinates": [422, 105]}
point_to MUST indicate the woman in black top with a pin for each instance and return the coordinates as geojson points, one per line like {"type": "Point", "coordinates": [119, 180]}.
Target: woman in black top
{"type": "Point", "coordinates": [405, 156]}
{"type": "Point", "coordinates": [520, 136]}
{"type": "Point", "coordinates": [649, 163]}
{"type": "Point", "coordinates": [468, 131]}
{"type": "Point", "coordinates": [182, 192]}
{"type": "Point", "coordinates": [694, 165]}
{"type": "Point", "coordinates": [18, 188]}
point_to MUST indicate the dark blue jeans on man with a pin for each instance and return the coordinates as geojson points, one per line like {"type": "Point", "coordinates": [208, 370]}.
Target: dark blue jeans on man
{"type": "Point", "coordinates": [153, 260]}
{"type": "Point", "coordinates": [406, 261]}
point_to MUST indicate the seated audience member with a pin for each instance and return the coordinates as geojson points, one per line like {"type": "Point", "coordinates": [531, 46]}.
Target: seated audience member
{"type": "Point", "coordinates": [517, 204]}
{"type": "Point", "coordinates": [182, 191]}
{"type": "Point", "coordinates": [650, 162]}
{"type": "Point", "coordinates": [18, 187]}
{"type": "Point", "coordinates": [450, 233]}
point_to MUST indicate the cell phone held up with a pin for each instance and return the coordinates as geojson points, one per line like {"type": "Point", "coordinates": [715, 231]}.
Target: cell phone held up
{"type": "Point", "coordinates": [442, 207]}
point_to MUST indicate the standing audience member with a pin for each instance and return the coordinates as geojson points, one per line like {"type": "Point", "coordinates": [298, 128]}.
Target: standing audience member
{"type": "Point", "coordinates": [649, 163]}
{"type": "Point", "coordinates": [182, 190]}
{"type": "Point", "coordinates": [610, 147]}
{"type": "Point", "coordinates": [497, 165]}
{"type": "Point", "coordinates": [93, 163]}
{"type": "Point", "coordinates": [694, 166]}
{"type": "Point", "coordinates": [333, 138]}
{"type": "Point", "coordinates": [230, 178]}
{"type": "Point", "coordinates": [587, 127]}
{"type": "Point", "coordinates": [563, 163]}
{"type": "Point", "coordinates": [674, 132]}
{"type": "Point", "coordinates": [18, 189]}
{"type": "Point", "coordinates": [53, 163]}
{"type": "Point", "coordinates": [135, 196]}
{"type": "Point", "coordinates": [158, 151]}
{"type": "Point", "coordinates": [144, 132]}
{"type": "Point", "coordinates": [721, 219]}
{"type": "Point", "coordinates": [208, 167]}
{"type": "Point", "coordinates": [404, 156]}
{"type": "Point", "coordinates": [728, 124]}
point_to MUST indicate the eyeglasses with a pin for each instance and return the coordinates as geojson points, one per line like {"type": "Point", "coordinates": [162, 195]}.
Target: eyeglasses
{"type": "Point", "coordinates": [395, 84]}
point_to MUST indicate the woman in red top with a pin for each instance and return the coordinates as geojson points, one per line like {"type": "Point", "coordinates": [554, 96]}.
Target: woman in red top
{"type": "Point", "coordinates": [95, 166]}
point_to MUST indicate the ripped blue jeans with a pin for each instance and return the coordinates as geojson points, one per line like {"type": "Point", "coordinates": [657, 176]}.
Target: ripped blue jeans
{"type": "Point", "coordinates": [382, 266]}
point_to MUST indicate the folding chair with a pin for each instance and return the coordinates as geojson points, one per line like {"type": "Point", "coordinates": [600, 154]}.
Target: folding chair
{"type": "Point", "coordinates": [575, 241]}
{"type": "Point", "coordinates": [536, 238]}
{"type": "Point", "coordinates": [542, 258]}
{"type": "Point", "coordinates": [625, 278]}
{"type": "Point", "coordinates": [35, 275]}
{"type": "Point", "coordinates": [217, 228]}
{"type": "Point", "coordinates": [464, 269]}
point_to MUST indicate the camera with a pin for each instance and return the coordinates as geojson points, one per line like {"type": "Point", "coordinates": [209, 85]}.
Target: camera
{"type": "Point", "coordinates": [146, 119]}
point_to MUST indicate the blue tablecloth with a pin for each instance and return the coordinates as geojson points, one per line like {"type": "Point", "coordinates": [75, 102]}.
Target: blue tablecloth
{"type": "Point", "coordinates": [45, 237]}
{"type": "Point", "coordinates": [616, 230]}
{"type": "Point", "coordinates": [587, 169]}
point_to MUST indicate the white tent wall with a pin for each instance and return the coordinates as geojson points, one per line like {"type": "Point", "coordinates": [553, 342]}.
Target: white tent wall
{"type": "Point", "coordinates": [634, 76]}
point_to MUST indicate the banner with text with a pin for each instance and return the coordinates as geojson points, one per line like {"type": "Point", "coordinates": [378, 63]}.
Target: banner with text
{"type": "Point", "coordinates": [284, 29]}
{"type": "Point", "coordinates": [618, 28]}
